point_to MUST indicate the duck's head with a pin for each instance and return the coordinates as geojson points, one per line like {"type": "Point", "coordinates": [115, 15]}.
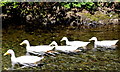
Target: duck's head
{"type": "Point", "coordinates": [54, 43]}
{"type": "Point", "coordinates": [64, 38]}
{"type": "Point", "coordinates": [24, 42]}
{"type": "Point", "coordinates": [93, 38]}
{"type": "Point", "coordinates": [10, 51]}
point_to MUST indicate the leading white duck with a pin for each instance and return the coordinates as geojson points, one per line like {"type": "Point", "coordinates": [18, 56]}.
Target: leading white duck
{"type": "Point", "coordinates": [66, 49]}
{"type": "Point", "coordinates": [41, 49]}
{"type": "Point", "coordinates": [75, 43]}
{"type": "Point", "coordinates": [26, 61]}
{"type": "Point", "coordinates": [104, 43]}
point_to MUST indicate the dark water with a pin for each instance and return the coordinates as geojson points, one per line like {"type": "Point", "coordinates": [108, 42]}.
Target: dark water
{"type": "Point", "coordinates": [87, 60]}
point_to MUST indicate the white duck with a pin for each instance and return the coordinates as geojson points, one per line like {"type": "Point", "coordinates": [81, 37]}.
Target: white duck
{"type": "Point", "coordinates": [41, 49]}
{"type": "Point", "coordinates": [23, 60]}
{"type": "Point", "coordinates": [104, 43]}
{"type": "Point", "coordinates": [75, 43]}
{"type": "Point", "coordinates": [65, 49]}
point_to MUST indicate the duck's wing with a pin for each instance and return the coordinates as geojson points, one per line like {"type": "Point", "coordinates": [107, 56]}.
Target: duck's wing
{"type": "Point", "coordinates": [106, 42]}
{"type": "Point", "coordinates": [79, 43]}
{"type": "Point", "coordinates": [74, 42]}
{"type": "Point", "coordinates": [61, 48]}
{"type": "Point", "coordinates": [66, 48]}
{"type": "Point", "coordinates": [109, 42]}
{"type": "Point", "coordinates": [41, 48]}
{"type": "Point", "coordinates": [28, 59]}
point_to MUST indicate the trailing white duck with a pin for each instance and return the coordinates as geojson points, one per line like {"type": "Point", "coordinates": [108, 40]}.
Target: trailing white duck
{"type": "Point", "coordinates": [41, 49]}
{"type": "Point", "coordinates": [75, 43]}
{"type": "Point", "coordinates": [26, 61]}
{"type": "Point", "coordinates": [104, 43]}
{"type": "Point", "coordinates": [65, 49]}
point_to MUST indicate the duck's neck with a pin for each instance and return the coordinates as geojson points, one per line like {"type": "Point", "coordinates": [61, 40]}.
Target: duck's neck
{"type": "Point", "coordinates": [13, 56]}
{"type": "Point", "coordinates": [67, 42]}
{"type": "Point", "coordinates": [55, 44]}
{"type": "Point", "coordinates": [95, 41]}
{"type": "Point", "coordinates": [95, 46]}
{"type": "Point", "coordinates": [27, 45]}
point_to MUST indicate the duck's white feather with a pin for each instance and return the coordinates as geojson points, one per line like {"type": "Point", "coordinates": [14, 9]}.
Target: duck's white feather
{"type": "Point", "coordinates": [23, 60]}
{"type": "Point", "coordinates": [64, 48]}
{"type": "Point", "coordinates": [75, 43]}
{"type": "Point", "coordinates": [36, 49]}
{"type": "Point", "coordinates": [28, 59]}
{"type": "Point", "coordinates": [104, 43]}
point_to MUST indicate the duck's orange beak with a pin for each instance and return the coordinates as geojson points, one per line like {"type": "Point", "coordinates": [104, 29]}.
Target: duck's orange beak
{"type": "Point", "coordinates": [61, 40]}
{"type": "Point", "coordinates": [90, 39]}
{"type": "Point", "coordinates": [21, 43]}
{"type": "Point", "coordinates": [6, 54]}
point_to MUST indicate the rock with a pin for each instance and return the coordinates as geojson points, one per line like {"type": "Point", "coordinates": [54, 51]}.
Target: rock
{"type": "Point", "coordinates": [114, 21]}
{"type": "Point", "coordinates": [29, 17]}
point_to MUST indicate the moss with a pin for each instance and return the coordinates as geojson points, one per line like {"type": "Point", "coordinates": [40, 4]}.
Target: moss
{"type": "Point", "coordinates": [98, 16]}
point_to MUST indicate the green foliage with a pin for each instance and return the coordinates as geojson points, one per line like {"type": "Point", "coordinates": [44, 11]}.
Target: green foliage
{"type": "Point", "coordinates": [10, 4]}
{"type": "Point", "coordinates": [86, 5]}
{"type": "Point", "coordinates": [67, 5]}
